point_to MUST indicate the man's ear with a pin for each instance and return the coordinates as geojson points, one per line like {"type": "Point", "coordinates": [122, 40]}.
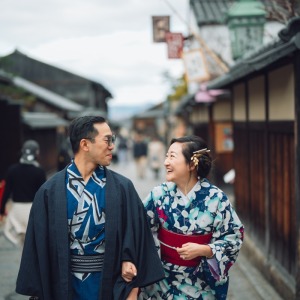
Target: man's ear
{"type": "Point", "coordinates": [84, 145]}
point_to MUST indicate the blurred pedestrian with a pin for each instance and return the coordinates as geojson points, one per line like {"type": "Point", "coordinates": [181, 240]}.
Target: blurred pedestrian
{"type": "Point", "coordinates": [88, 237]}
{"type": "Point", "coordinates": [140, 151]}
{"type": "Point", "coordinates": [65, 152]}
{"type": "Point", "coordinates": [122, 149]}
{"type": "Point", "coordinates": [199, 232]}
{"type": "Point", "coordinates": [63, 158]}
{"type": "Point", "coordinates": [156, 155]}
{"type": "Point", "coordinates": [21, 183]}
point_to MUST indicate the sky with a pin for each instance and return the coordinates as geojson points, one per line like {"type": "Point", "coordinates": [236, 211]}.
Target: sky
{"type": "Point", "coordinates": [109, 41]}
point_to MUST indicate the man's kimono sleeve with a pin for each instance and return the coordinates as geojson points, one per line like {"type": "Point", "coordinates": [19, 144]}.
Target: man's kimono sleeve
{"type": "Point", "coordinates": [138, 246]}
{"type": "Point", "coordinates": [33, 279]}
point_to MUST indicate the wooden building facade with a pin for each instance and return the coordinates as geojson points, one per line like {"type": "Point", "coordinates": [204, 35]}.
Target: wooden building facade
{"type": "Point", "coordinates": [43, 99]}
{"type": "Point", "coordinates": [265, 116]}
{"type": "Point", "coordinates": [212, 121]}
{"type": "Point", "coordinates": [83, 91]}
{"type": "Point", "coordinates": [11, 134]}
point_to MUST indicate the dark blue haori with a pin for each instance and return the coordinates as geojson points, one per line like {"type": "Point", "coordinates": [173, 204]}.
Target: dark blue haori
{"type": "Point", "coordinates": [67, 220]}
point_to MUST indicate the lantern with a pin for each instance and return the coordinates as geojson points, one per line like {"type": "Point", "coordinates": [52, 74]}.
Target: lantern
{"type": "Point", "coordinates": [246, 19]}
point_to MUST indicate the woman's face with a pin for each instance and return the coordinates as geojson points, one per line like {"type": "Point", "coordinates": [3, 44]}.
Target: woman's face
{"type": "Point", "coordinates": [178, 170]}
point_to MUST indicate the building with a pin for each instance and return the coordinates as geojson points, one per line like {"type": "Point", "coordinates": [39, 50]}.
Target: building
{"type": "Point", "coordinates": [265, 99]}
{"type": "Point", "coordinates": [90, 94]}
{"type": "Point", "coordinates": [42, 100]}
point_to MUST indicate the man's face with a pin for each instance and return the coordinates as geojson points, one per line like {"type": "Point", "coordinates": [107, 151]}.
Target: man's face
{"type": "Point", "coordinates": [100, 150]}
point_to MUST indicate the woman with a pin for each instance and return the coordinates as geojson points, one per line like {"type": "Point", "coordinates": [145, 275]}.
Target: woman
{"type": "Point", "coordinates": [198, 232]}
{"type": "Point", "coordinates": [22, 181]}
{"type": "Point", "coordinates": [156, 154]}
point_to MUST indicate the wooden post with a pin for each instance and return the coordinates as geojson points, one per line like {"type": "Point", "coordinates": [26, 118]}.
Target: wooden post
{"type": "Point", "coordinates": [297, 169]}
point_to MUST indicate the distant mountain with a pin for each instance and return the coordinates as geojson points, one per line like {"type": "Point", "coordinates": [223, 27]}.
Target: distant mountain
{"type": "Point", "coordinates": [121, 112]}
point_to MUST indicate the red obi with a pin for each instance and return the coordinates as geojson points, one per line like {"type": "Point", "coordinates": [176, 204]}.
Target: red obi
{"type": "Point", "coordinates": [175, 240]}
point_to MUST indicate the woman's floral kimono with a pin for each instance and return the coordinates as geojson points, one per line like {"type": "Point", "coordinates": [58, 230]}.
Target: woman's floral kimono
{"type": "Point", "coordinates": [206, 209]}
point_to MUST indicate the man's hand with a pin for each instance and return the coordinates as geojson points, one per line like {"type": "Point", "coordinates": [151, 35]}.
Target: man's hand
{"type": "Point", "coordinates": [128, 271]}
{"type": "Point", "coordinates": [133, 294]}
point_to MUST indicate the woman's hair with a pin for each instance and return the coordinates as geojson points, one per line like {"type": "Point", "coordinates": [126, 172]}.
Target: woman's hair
{"type": "Point", "coordinates": [191, 144]}
{"type": "Point", "coordinates": [83, 128]}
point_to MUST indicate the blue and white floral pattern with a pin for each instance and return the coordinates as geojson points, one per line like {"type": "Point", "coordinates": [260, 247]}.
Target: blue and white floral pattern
{"type": "Point", "coordinates": [206, 209]}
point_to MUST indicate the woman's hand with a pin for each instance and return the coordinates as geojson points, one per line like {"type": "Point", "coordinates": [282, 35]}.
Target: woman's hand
{"type": "Point", "coordinates": [128, 271]}
{"type": "Point", "coordinates": [192, 250]}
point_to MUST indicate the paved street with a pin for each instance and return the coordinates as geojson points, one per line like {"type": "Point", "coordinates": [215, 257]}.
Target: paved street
{"type": "Point", "coordinates": [245, 281]}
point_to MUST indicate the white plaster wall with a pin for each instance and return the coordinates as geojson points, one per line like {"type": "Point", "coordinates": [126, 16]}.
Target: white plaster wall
{"type": "Point", "coordinates": [257, 108]}
{"type": "Point", "coordinates": [281, 91]}
{"type": "Point", "coordinates": [239, 106]}
{"type": "Point", "coordinates": [222, 110]}
{"type": "Point", "coordinates": [200, 114]}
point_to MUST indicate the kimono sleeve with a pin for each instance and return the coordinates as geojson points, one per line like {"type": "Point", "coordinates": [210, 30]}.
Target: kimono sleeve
{"type": "Point", "coordinates": [151, 208]}
{"type": "Point", "coordinates": [34, 273]}
{"type": "Point", "coordinates": [138, 246]}
{"type": "Point", "coordinates": [227, 239]}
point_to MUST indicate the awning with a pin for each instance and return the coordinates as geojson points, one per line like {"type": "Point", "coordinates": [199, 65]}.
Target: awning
{"type": "Point", "coordinates": [37, 120]}
{"type": "Point", "coordinates": [48, 96]}
{"type": "Point", "coordinates": [208, 96]}
{"type": "Point", "coordinates": [204, 97]}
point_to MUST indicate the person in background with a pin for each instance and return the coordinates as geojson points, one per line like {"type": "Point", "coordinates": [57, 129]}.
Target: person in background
{"type": "Point", "coordinates": [21, 183]}
{"type": "Point", "coordinates": [88, 236]}
{"type": "Point", "coordinates": [122, 149]}
{"type": "Point", "coordinates": [63, 158]}
{"type": "Point", "coordinates": [64, 149]}
{"type": "Point", "coordinates": [140, 149]}
{"type": "Point", "coordinates": [156, 155]}
{"type": "Point", "coordinates": [199, 234]}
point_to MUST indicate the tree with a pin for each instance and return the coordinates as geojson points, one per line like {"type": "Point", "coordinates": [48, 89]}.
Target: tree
{"type": "Point", "coordinates": [282, 10]}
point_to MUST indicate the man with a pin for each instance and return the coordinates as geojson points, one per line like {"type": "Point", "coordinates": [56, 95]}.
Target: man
{"type": "Point", "coordinates": [22, 181]}
{"type": "Point", "coordinates": [88, 236]}
{"type": "Point", "coordinates": [140, 155]}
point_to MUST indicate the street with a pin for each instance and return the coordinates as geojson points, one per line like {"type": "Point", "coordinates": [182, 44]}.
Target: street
{"type": "Point", "coordinates": [246, 282]}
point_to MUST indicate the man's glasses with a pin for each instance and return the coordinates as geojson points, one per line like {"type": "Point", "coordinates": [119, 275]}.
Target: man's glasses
{"type": "Point", "coordinates": [110, 139]}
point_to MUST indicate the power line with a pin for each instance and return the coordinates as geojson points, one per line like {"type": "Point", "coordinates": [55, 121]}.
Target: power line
{"type": "Point", "coordinates": [199, 39]}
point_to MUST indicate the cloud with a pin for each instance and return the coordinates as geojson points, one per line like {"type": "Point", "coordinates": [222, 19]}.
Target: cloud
{"type": "Point", "coordinates": [107, 41]}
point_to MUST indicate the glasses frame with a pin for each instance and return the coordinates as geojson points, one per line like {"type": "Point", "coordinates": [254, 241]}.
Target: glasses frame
{"type": "Point", "coordinates": [108, 139]}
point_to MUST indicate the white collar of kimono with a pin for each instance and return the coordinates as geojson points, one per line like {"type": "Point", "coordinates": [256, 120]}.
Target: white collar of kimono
{"type": "Point", "coordinates": [186, 198]}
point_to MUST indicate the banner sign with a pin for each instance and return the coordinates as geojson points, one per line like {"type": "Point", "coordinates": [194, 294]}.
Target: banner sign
{"type": "Point", "coordinates": [175, 44]}
{"type": "Point", "coordinates": [195, 66]}
{"type": "Point", "coordinates": [160, 25]}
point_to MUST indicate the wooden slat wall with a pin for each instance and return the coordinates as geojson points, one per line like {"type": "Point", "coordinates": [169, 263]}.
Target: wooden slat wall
{"type": "Point", "coordinates": [10, 132]}
{"type": "Point", "coordinates": [257, 180]}
{"type": "Point", "coordinates": [282, 199]}
{"type": "Point", "coordinates": [250, 161]}
{"type": "Point", "coordinates": [241, 185]}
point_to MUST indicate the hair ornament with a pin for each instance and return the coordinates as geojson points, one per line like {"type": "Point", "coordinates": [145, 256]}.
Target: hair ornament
{"type": "Point", "coordinates": [197, 154]}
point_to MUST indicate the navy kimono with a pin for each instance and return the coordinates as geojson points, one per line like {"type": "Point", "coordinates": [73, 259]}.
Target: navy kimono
{"type": "Point", "coordinates": [45, 264]}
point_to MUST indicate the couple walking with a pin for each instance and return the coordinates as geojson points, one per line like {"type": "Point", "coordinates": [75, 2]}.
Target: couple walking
{"type": "Point", "coordinates": [91, 237]}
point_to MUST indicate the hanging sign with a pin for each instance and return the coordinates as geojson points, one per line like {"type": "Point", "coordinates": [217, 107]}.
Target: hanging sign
{"type": "Point", "coordinates": [160, 25]}
{"type": "Point", "coordinates": [195, 65]}
{"type": "Point", "coordinates": [175, 44]}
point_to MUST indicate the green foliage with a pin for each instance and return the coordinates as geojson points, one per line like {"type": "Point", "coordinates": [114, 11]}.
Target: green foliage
{"type": "Point", "coordinates": [282, 10]}
{"type": "Point", "coordinates": [179, 87]}
{"type": "Point", "coordinates": [17, 95]}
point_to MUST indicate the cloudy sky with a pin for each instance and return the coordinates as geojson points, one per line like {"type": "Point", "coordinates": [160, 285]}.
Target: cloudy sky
{"type": "Point", "coordinates": [109, 41]}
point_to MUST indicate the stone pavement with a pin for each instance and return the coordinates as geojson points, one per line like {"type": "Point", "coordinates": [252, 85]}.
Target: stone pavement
{"type": "Point", "coordinates": [246, 282]}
